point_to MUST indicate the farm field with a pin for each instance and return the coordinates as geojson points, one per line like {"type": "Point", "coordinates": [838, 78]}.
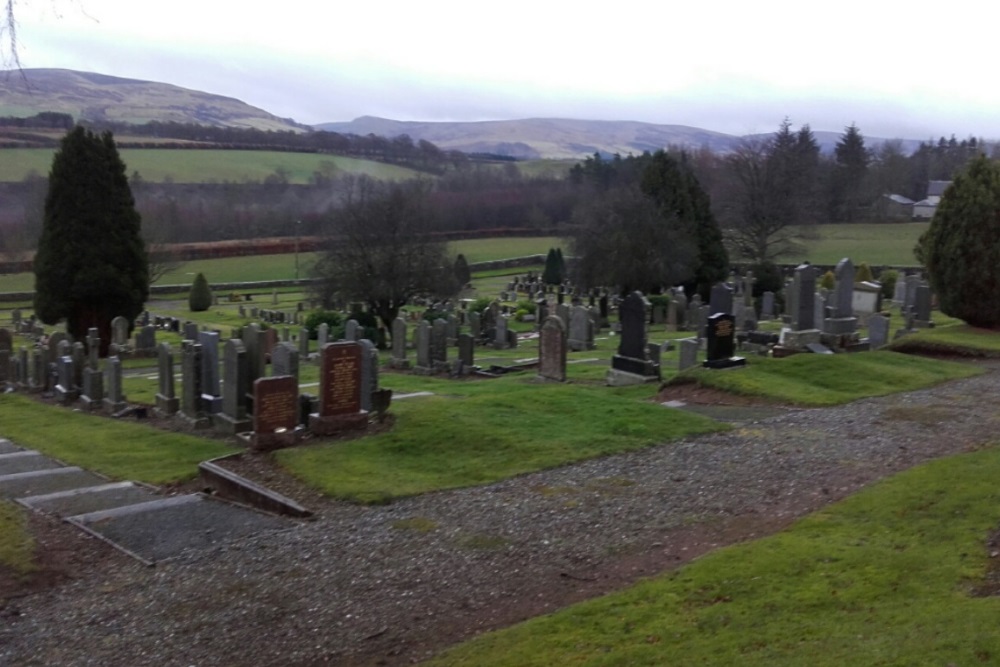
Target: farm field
{"type": "Point", "coordinates": [879, 244]}
{"type": "Point", "coordinates": [203, 166]}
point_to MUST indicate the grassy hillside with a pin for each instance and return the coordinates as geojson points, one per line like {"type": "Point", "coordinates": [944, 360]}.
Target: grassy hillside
{"type": "Point", "coordinates": [889, 244]}
{"type": "Point", "coordinates": [200, 166]}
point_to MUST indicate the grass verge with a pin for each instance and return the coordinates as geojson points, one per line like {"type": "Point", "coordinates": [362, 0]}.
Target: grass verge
{"type": "Point", "coordinates": [488, 432]}
{"type": "Point", "coordinates": [121, 450]}
{"type": "Point", "coordinates": [822, 379]}
{"type": "Point", "coordinates": [16, 545]}
{"type": "Point", "coordinates": [958, 339]}
{"type": "Point", "coordinates": [885, 577]}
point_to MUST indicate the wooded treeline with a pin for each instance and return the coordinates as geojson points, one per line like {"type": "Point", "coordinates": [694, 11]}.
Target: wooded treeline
{"type": "Point", "coordinates": [759, 191]}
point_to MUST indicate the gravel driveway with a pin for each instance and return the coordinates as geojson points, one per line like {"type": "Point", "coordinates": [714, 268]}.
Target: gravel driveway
{"type": "Point", "coordinates": [394, 584]}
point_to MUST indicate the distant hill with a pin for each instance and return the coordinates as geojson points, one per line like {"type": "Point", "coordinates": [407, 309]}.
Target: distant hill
{"type": "Point", "coordinates": [96, 97]}
{"type": "Point", "coordinates": [533, 138]}
{"type": "Point", "coordinates": [541, 137]}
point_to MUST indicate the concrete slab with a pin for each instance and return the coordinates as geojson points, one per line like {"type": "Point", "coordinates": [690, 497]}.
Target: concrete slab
{"type": "Point", "coordinates": [25, 461]}
{"type": "Point", "coordinates": [6, 447]}
{"type": "Point", "coordinates": [38, 482]}
{"type": "Point", "coordinates": [164, 528]}
{"type": "Point", "coordinates": [90, 499]}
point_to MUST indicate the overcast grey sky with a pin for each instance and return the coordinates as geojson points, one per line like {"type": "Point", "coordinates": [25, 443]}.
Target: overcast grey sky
{"type": "Point", "coordinates": [896, 69]}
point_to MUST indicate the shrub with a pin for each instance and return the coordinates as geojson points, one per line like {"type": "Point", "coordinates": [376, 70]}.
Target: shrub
{"type": "Point", "coordinates": [828, 281]}
{"type": "Point", "coordinates": [333, 319]}
{"type": "Point", "coordinates": [480, 304]}
{"type": "Point", "coordinates": [658, 299]}
{"type": "Point", "coordinates": [200, 297]}
{"type": "Point", "coordinates": [527, 305]}
{"type": "Point", "coordinates": [888, 279]}
{"type": "Point", "coordinates": [960, 249]}
{"type": "Point", "coordinates": [863, 273]}
{"type": "Point", "coordinates": [768, 279]}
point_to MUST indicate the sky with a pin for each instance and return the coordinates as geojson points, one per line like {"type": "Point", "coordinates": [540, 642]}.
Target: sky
{"type": "Point", "coordinates": [892, 68]}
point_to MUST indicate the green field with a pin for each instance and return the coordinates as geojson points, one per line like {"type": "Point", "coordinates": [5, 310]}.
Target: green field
{"type": "Point", "coordinates": [887, 244]}
{"type": "Point", "coordinates": [207, 166]}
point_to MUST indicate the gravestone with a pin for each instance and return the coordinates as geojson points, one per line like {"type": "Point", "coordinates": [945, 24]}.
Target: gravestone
{"type": "Point", "coordinates": [422, 333]}
{"type": "Point", "coordinates": [119, 331]}
{"type": "Point", "coordinates": [899, 291]}
{"type": "Point", "coordinates": [878, 331]}
{"type": "Point", "coordinates": [339, 390]}
{"type": "Point", "coordinates": [304, 344]}
{"type": "Point", "coordinates": [466, 353]}
{"type": "Point", "coordinates": [6, 368]}
{"type": "Point", "coordinates": [912, 283]}
{"type": "Point", "coordinates": [804, 315]}
{"type": "Point", "coordinates": [236, 389]}
{"type": "Point", "coordinates": [721, 299]}
{"type": "Point", "coordinates": [285, 361]}
{"type": "Point", "coordinates": [191, 390]}
{"type": "Point", "coordinates": [451, 329]}
{"type": "Point", "coordinates": [687, 354]}
{"type": "Point", "coordinates": [580, 330]}
{"type": "Point", "coordinates": [672, 315]}
{"type": "Point", "coordinates": [439, 346]}
{"type": "Point", "coordinates": [322, 335]}
{"type": "Point", "coordinates": [276, 412]}
{"type": "Point", "coordinates": [211, 394]}
{"type": "Point", "coordinates": [842, 320]}
{"type": "Point", "coordinates": [66, 389]}
{"type": "Point", "coordinates": [630, 365]}
{"type": "Point", "coordinates": [720, 343]}
{"type": "Point", "coordinates": [145, 340]}
{"type": "Point", "coordinates": [79, 353]}
{"type": "Point", "coordinates": [167, 403]}
{"type": "Point", "coordinates": [253, 341]}
{"type": "Point", "coordinates": [369, 373]}
{"type": "Point", "coordinates": [52, 349]}
{"type": "Point", "coordinates": [500, 339]}
{"type": "Point", "coordinates": [6, 340]}
{"type": "Point", "coordinates": [351, 330]}
{"type": "Point", "coordinates": [114, 399]}
{"type": "Point", "coordinates": [190, 331]}
{"type": "Point", "coordinates": [398, 355]}
{"type": "Point", "coordinates": [475, 325]}
{"type": "Point", "coordinates": [767, 306]}
{"type": "Point", "coordinates": [552, 350]}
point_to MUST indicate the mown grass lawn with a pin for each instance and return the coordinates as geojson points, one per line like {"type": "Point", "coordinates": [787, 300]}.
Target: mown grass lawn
{"type": "Point", "coordinates": [119, 449]}
{"type": "Point", "coordinates": [16, 546]}
{"type": "Point", "coordinates": [477, 433]}
{"type": "Point", "coordinates": [883, 578]}
{"type": "Point", "coordinates": [823, 379]}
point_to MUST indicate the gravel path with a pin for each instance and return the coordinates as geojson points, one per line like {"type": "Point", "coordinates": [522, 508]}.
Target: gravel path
{"type": "Point", "coordinates": [394, 584]}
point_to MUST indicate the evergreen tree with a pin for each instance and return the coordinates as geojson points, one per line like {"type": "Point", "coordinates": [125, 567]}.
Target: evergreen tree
{"type": "Point", "coordinates": [961, 248]}
{"type": "Point", "coordinates": [462, 273]}
{"type": "Point", "coordinates": [849, 175]}
{"type": "Point", "coordinates": [91, 265]}
{"type": "Point", "coordinates": [552, 275]}
{"type": "Point", "coordinates": [200, 297]}
{"type": "Point", "coordinates": [560, 265]}
{"type": "Point", "coordinates": [672, 185]}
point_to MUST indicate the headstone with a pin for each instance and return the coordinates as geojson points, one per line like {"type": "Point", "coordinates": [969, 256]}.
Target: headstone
{"type": "Point", "coordinates": [398, 355]}
{"type": "Point", "coordinates": [285, 361]}
{"type": "Point", "coordinates": [580, 330]}
{"type": "Point", "coordinates": [475, 325]}
{"type": "Point", "coordinates": [253, 341]}
{"type": "Point", "coordinates": [167, 403]}
{"type": "Point", "coordinates": [236, 389]}
{"type": "Point", "coordinates": [672, 315]}
{"type": "Point", "coordinates": [912, 283]}
{"type": "Point", "coordinates": [211, 394]}
{"type": "Point", "coordinates": [190, 331]}
{"type": "Point", "coordinates": [114, 399]}
{"type": "Point", "coordinates": [304, 344]}
{"type": "Point", "coordinates": [500, 341]}
{"type": "Point", "coordinates": [6, 368]}
{"type": "Point", "coordinates": [922, 306]}
{"type": "Point", "coordinates": [191, 390]}
{"type": "Point", "coordinates": [767, 306]}
{"type": "Point", "coordinates": [720, 342]}
{"type": "Point", "coordinates": [804, 316]}
{"type": "Point", "coordinates": [631, 358]}
{"type": "Point", "coordinates": [721, 299]}
{"type": "Point", "coordinates": [878, 331]}
{"type": "Point", "coordinates": [66, 388]}
{"type": "Point", "coordinates": [899, 292]}
{"type": "Point", "coordinates": [439, 346]}
{"type": "Point", "coordinates": [6, 340]}
{"type": "Point", "coordinates": [322, 335]}
{"type": "Point", "coordinates": [842, 320]}
{"type": "Point", "coordinates": [351, 330]}
{"type": "Point", "coordinates": [423, 345]}
{"type": "Point", "coordinates": [687, 354]}
{"type": "Point", "coordinates": [552, 350]}
{"type": "Point", "coordinates": [119, 331]}
{"type": "Point", "coordinates": [55, 340]}
{"type": "Point", "coordinates": [145, 339]}
{"type": "Point", "coordinates": [466, 352]}
{"type": "Point", "coordinates": [339, 390]}
{"type": "Point", "coordinates": [369, 373]}
{"type": "Point", "coordinates": [276, 412]}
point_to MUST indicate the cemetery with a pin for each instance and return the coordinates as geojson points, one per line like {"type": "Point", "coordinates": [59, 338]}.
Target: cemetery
{"type": "Point", "coordinates": [345, 417]}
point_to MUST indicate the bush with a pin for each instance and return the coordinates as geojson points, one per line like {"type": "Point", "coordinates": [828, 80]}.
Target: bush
{"type": "Point", "coordinates": [888, 278]}
{"type": "Point", "coordinates": [863, 273]}
{"type": "Point", "coordinates": [200, 297]}
{"type": "Point", "coordinates": [658, 300]}
{"type": "Point", "coordinates": [480, 304]}
{"type": "Point", "coordinates": [527, 305]}
{"type": "Point", "coordinates": [960, 249]}
{"type": "Point", "coordinates": [333, 319]}
{"type": "Point", "coordinates": [828, 281]}
{"type": "Point", "coordinates": [768, 278]}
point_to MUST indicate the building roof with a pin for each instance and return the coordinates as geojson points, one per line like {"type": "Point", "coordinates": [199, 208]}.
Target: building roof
{"type": "Point", "coordinates": [900, 199]}
{"type": "Point", "coordinates": [937, 188]}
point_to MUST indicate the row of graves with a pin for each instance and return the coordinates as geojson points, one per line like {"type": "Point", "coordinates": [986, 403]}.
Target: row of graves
{"type": "Point", "coordinates": [223, 385]}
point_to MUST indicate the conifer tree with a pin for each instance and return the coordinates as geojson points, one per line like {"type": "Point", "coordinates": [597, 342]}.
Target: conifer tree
{"type": "Point", "coordinates": [961, 248]}
{"type": "Point", "coordinates": [462, 273]}
{"type": "Point", "coordinates": [91, 265]}
{"type": "Point", "coordinates": [200, 297]}
{"type": "Point", "coordinates": [551, 274]}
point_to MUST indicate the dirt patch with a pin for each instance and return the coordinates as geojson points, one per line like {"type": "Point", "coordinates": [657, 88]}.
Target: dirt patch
{"type": "Point", "coordinates": [696, 394]}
